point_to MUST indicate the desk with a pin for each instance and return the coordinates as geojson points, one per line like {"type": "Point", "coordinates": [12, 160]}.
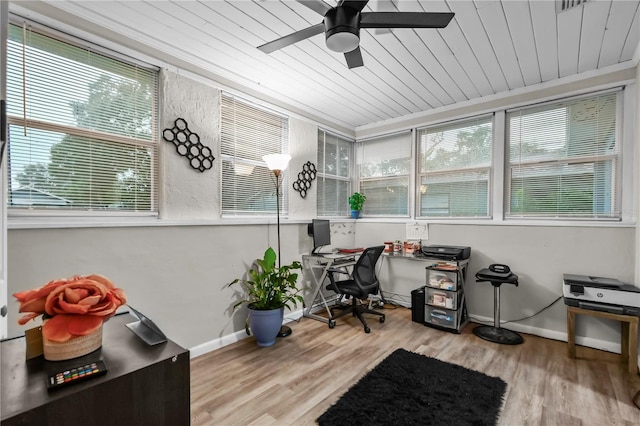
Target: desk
{"type": "Point", "coordinates": [629, 336]}
{"type": "Point", "coordinates": [144, 385]}
{"type": "Point", "coordinates": [318, 266]}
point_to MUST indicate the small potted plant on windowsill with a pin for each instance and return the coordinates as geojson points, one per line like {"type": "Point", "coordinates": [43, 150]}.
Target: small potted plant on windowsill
{"type": "Point", "coordinates": [269, 289]}
{"type": "Point", "coordinates": [356, 201]}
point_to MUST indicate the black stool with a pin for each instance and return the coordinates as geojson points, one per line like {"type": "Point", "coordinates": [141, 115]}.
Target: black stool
{"type": "Point", "coordinates": [497, 275]}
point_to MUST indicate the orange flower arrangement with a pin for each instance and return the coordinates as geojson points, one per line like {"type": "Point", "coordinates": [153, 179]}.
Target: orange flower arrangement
{"type": "Point", "coordinates": [72, 307]}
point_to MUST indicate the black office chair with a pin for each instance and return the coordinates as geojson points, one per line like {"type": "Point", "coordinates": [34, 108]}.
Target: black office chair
{"type": "Point", "coordinates": [359, 285]}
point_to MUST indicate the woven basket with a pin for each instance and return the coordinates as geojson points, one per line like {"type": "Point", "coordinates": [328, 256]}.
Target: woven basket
{"type": "Point", "coordinates": [72, 348]}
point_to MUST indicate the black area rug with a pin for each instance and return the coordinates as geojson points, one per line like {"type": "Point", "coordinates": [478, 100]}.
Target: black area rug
{"type": "Point", "coordinates": [411, 389]}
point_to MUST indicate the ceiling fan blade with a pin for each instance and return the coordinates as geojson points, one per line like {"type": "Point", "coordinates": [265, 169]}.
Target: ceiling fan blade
{"type": "Point", "coordinates": [287, 40]}
{"type": "Point", "coordinates": [317, 6]}
{"type": "Point", "coordinates": [354, 4]}
{"type": "Point", "coordinates": [405, 19]}
{"type": "Point", "coordinates": [354, 58]}
{"type": "Point", "coordinates": [385, 6]}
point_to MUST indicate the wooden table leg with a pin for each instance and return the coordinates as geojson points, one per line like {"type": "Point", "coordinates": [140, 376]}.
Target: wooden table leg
{"type": "Point", "coordinates": [624, 341]}
{"type": "Point", "coordinates": [571, 332]}
{"type": "Point", "coordinates": [628, 338]}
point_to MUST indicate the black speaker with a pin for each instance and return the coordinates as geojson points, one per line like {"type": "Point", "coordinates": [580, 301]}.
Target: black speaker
{"type": "Point", "coordinates": [417, 305]}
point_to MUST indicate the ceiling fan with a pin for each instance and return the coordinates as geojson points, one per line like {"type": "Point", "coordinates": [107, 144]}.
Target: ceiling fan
{"type": "Point", "coordinates": [342, 23]}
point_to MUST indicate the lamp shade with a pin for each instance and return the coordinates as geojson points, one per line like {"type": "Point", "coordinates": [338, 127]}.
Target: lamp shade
{"type": "Point", "coordinates": [277, 161]}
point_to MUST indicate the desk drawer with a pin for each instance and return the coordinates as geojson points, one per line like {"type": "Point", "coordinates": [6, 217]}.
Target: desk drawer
{"type": "Point", "coordinates": [447, 280]}
{"type": "Point", "coordinates": [442, 317]}
{"type": "Point", "coordinates": [443, 298]}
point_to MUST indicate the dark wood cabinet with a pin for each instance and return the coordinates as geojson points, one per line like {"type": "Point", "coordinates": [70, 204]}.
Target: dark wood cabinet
{"type": "Point", "coordinates": [144, 385]}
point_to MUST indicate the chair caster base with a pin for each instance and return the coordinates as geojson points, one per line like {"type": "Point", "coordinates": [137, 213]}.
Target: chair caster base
{"type": "Point", "coordinates": [498, 335]}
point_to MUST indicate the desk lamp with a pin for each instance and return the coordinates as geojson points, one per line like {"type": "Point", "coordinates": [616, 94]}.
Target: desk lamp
{"type": "Point", "coordinates": [277, 163]}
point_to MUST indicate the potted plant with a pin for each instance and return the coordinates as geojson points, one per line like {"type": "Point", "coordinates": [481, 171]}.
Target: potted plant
{"type": "Point", "coordinates": [269, 289]}
{"type": "Point", "coordinates": [356, 201]}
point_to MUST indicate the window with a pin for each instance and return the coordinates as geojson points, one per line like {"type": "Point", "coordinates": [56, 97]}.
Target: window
{"type": "Point", "coordinates": [384, 167]}
{"type": "Point", "coordinates": [248, 133]}
{"type": "Point", "coordinates": [454, 169]}
{"type": "Point", "coordinates": [82, 127]}
{"type": "Point", "coordinates": [334, 178]}
{"type": "Point", "coordinates": [563, 159]}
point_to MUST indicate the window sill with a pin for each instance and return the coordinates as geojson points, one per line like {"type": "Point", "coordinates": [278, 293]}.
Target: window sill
{"type": "Point", "coordinates": [50, 222]}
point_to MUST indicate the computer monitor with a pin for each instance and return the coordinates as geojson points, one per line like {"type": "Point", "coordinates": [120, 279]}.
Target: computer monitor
{"type": "Point", "coordinates": [320, 230]}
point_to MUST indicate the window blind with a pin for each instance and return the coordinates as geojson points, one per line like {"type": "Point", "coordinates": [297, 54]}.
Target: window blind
{"type": "Point", "coordinates": [384, 167]}
{"type": "Point", "coordinates": [82, 127]}
{"type": "Point", "coordinates": [248, 132]}
{"type": "Point", "coordinates": [563, 159]}
{"type": "Point", "coordinates": [334, 178]}
{"type": "Point", "coordinates": [455, 168]}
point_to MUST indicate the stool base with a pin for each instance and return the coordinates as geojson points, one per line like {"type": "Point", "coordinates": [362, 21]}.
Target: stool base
{"type": "Point", "coordinates": [498, 335]}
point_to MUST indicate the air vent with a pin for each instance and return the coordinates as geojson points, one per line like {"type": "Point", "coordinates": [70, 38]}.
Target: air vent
{"type": "Point", "coordinates": [564, 5]}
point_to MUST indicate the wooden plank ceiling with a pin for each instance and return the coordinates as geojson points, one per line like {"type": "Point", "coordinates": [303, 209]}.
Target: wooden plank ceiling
{"type": "Point", "coordinates": [490, 47]}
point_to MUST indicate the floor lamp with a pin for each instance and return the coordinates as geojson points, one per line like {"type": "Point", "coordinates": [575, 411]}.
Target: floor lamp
{"type": "Point", "coordinates": [277, 163]}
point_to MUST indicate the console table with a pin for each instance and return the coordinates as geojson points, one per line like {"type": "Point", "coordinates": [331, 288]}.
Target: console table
{"type": "Point", "coordinates": [144, 385]}
{"type": "Point", "coordinates": [629, 337]}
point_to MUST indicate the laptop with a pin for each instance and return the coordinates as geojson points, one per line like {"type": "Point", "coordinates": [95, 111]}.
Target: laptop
{"type": "Point", "coordinates": [146, 329]}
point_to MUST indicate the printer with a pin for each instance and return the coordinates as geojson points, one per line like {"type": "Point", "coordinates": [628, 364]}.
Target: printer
{"type": "Point", "coordinates": [446, 252]}
{"type": "Point", "coordinates": [601, 294]}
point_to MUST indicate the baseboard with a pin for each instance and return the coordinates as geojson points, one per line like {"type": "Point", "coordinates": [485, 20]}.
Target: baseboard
{"type": "Point", "coordinates": [536, 331]}
{"type": "Point", "coordinates": [223, 341]}
{"type": "Point", "coordinates": [589, 342]}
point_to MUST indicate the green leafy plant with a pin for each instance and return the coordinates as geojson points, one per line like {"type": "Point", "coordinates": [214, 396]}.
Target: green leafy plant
{"type": "Point", "coordinates": [356, 201]}
{"type": "Point", "coordinates": [268, 286]}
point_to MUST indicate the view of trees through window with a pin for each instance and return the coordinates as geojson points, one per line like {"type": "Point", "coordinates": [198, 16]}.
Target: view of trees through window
{"type": "Point", "coordinates": [334, 183]}
{"type": "Point", "coordinates": [454, 169]}
{"type": "Point", "coordinates": [563, 159]}
{"type": "Point", "coordinates": [384, 167]}
{"type": "Point", "coordinates": [88, 141]}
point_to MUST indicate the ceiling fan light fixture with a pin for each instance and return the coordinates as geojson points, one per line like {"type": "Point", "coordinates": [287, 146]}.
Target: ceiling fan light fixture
{"type": "Point", "coordinates": [343, 42]}
{"type": "Point", "coordinates": [341, 29]}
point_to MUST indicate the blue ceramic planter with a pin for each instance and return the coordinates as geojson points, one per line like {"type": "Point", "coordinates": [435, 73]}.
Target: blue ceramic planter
{"type": "Point", "coordinates": [355, 214]}
{"type": "Point", "coordinates": [265, 325]}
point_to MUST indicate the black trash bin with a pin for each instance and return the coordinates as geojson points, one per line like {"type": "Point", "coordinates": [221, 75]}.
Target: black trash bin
{"type": "Point", "coordinates": [417, 305]}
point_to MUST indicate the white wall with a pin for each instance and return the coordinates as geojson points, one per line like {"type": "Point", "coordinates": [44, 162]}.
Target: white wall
{"type": "Point", "coordinates": [539, 255]}
{"type": "Point", "coordinates": [187, 193]}
{"type": "Point", "coordinates": [175, 274]}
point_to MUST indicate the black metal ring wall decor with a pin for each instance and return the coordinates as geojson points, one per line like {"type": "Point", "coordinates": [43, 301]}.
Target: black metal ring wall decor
{"type": "Point", "coordinates": [305, 177]}
{"type": "Point", "coordinates": [188, 145]}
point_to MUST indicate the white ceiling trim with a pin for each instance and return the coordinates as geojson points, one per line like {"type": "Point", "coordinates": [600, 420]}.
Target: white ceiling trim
{"type": "Point", "coordinates": [426, 118]}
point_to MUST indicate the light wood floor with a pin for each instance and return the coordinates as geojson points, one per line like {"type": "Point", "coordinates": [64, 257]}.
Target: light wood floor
{"type": "Point", "coordinates": [297, 379]}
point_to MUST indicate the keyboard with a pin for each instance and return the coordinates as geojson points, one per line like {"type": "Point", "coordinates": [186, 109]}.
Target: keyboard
{"type": "Point", "coordinates": [343, 260]}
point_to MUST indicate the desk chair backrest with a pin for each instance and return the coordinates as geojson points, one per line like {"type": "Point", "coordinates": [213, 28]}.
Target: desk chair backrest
{"type": "Point", "coordinates": [364, 271]}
